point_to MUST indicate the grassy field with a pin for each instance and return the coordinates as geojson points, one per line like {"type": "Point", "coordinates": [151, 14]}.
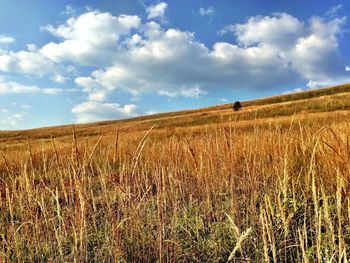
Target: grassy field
{"type": "Point", "coordinates": [269, 183]}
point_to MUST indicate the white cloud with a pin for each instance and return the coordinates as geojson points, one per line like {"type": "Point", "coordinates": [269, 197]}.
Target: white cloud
{"type": "Point", "coordinates": [316, 56]}
{"type": "Point", "coordinates": [95, 111]}
{"type": "Point", "coordinates": [9, 119]}
{"type": "Point", "coordinates": [280, 30]}
{"type": "Point", "coordinates": [32, 63]}
{"type": "Point", "coordinates": [151, 112]}
{"type": "Point", "coordinates": [92, 86]}
{"type": "Point", "coordinates": [271, 51]}
{"type": "Point", "coordinates": [164, 60]}
{"type": "Point", "coordinates": [206, 12]}
{"type": "Point", "coordinates": [8, 87]}
{"type": "Point", "coordinates": [32, 47]}
{"type": "Point", "coordinates": [69, 10]}
{"type": "Point", "coordinates": [14, 87]}
{"type": "Point", "coordinates": [157, 11]}
{"type": "Point", "coordinates": [310, 49]}
{"type": "Point", "coordinates": [25, 62]}
{"type": "Point", "coordinates": [90, 39]}
{"type": "Point", "coordinates": [334, 10]}
{"type": "Point", "coordinates": [193, 92]}
{"type": "Point", "coordinates": [158, 61]}
{"type": "Point", "coordinates": [51, 91]}
{"type": "Point", "coordinates": [347, 68]}
{"type": "Point", "coordinates": [296, 90]}
{"type": "Point", "coordinates": [6, 39]}
{"type": "Point", "coordinates": [325, 83]}
{"type": "Point", "coordinates": [59, 78]}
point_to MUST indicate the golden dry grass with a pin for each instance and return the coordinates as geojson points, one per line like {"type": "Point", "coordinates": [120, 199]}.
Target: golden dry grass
{"type": "Point", "coordinates": [267, 184]}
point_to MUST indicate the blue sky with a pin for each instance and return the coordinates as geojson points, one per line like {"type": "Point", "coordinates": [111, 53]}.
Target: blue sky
{"type": "Point", "coordinates": [65, 62]}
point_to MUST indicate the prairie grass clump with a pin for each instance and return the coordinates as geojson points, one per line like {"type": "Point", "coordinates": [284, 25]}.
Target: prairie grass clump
{"type": "Point", "coordinates": [273, 191]}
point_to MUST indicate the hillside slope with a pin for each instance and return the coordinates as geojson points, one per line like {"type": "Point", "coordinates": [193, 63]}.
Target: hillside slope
{"type": "Point", "coordinates": [336, 98]}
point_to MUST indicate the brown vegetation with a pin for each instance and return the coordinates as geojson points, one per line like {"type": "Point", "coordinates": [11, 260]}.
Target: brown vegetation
{"type": "Point", "coordinates": [267, 184]}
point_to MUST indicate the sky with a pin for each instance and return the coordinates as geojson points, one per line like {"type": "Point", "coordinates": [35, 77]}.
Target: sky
{"type": "Point", "coordinates": [64, 62]}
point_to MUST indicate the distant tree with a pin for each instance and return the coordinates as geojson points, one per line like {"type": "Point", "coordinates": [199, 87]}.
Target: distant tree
{"type": "Point", "coordinates": [237, 106]}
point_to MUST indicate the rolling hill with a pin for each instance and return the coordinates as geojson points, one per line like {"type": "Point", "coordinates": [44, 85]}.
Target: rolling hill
{"type": "Point", "coordinates": [270, 183]}
{"type": "Point", "coordinates": [322, 100]}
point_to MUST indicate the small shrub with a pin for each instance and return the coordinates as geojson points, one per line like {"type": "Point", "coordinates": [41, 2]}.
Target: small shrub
{"type": "Point", "coordinates": [237, 106]}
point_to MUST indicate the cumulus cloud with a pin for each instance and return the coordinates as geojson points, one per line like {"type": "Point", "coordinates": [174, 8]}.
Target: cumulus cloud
{"type": "Point", "coordinates": [90, 39]}
{"type": "Point", "coordinates": [316, 56]}
{"type": "Point", "coordinates": [26, 62]}
{"type": "Point", "coordinates": [138, 58]}
{"type": "Point", "coordinates": [95, 111]}
{"type": "Point", "coordinates": [310, 49]}
{"type": "Point", "coordinates": [157, 61]}
{"type": "Point", "coordinates": [280, 30]}
{"type": "Point", "coordinates": [6, 39]}
{"type": "Point", "coordinates": [157, 11]}
{"type": "Point", "coordinates": [164, 60]}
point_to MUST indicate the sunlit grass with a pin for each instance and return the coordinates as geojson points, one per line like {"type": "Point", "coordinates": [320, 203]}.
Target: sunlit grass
{"type": "Point", "coordinates": [240, 190]}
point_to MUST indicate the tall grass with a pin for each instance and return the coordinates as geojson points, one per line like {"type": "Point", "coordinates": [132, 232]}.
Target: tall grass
{"type": "Point", "coordinates": [270, 193]}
